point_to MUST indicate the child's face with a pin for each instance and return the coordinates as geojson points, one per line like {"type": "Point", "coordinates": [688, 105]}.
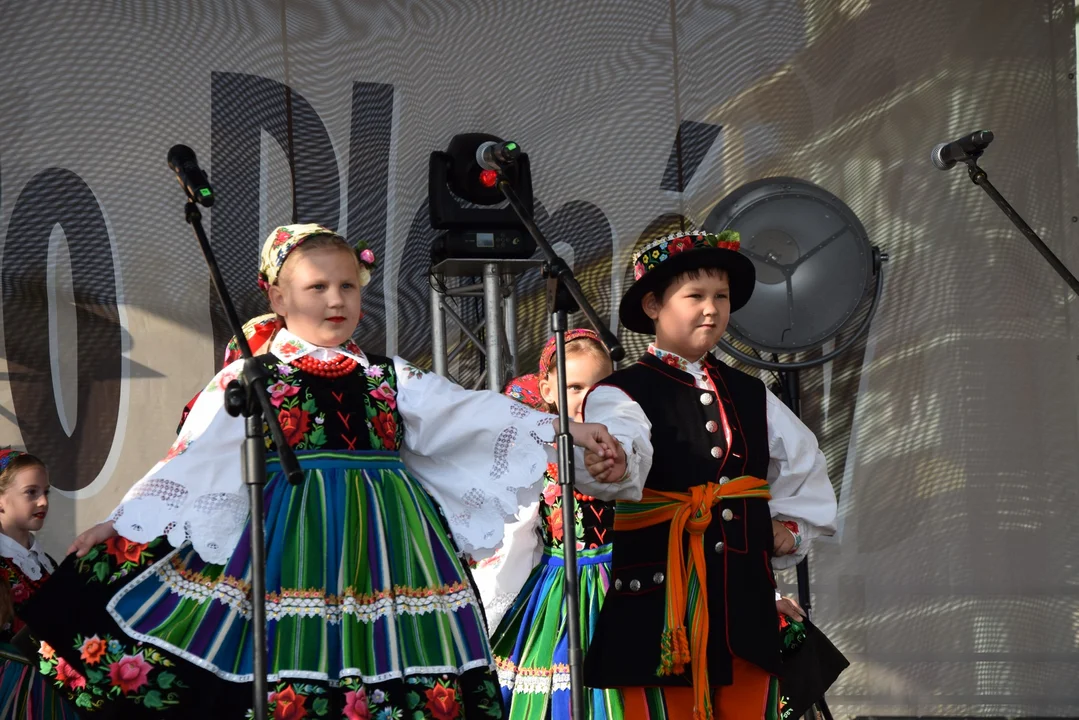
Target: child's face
{"type": "Point", "coordinates": [318, 295]}
{"type": "Point", "coordinates": [25, 503]}
{"type": "Point", "coordinates": [583, 370]}
{"type": "Point", "coordinates": [692, 315]}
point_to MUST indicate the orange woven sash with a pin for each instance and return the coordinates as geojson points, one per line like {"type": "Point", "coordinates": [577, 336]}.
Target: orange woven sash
{"type": "Point", "coordinates": [686, 596]}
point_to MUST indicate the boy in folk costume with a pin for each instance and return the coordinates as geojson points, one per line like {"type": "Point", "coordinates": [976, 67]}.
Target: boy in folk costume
{"type": "Point", "coordinates": [723, 483]}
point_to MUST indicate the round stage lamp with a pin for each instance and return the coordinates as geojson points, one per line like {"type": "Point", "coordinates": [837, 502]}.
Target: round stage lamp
{"type": "Point", "coordinates": [815, 266]}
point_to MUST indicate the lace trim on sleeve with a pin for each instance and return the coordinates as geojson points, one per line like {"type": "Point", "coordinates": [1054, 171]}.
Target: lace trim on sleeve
{"type": "Point", "coordinates": [213, 522]}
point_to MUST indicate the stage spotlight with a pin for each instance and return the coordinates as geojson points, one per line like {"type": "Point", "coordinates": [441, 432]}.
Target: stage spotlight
{"type": "Point", "coordinates": [465, 200]}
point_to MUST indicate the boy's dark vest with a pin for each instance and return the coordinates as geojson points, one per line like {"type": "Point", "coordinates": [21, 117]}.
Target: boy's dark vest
{"type": "Point", "coordinates": [690, 449]}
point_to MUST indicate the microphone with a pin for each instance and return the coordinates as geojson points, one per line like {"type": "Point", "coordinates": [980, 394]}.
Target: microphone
{"type": "Point", "coordinates": [946, 155]}
{"type": "Point", "coordinates": [193, 180]}
{"type": "Point", "coordinates": [497, 155]}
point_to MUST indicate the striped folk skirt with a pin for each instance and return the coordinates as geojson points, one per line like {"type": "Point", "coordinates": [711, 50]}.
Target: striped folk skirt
{"type": "Point", "coordinates": [25, 694]}
{"type": "Point", "coordinates": [531, 644]}
{"type": "Point", "coordinates": [370, 612]}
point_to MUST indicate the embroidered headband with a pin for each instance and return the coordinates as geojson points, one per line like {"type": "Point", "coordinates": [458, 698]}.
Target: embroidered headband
{"type": "Point", "coordinates": [7, 455]}
{"type": "Point", "coordinates": [547, 359]}
{"type": "Point", "coordinates": [283, 240]}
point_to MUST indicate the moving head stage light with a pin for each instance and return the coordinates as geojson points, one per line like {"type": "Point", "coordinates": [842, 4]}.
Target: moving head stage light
{"type": "Point", "coordinates": [466, 202]}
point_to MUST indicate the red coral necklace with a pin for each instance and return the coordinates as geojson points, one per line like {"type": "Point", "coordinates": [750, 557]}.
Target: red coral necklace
{"type": "Point", "coordinates": [339, 366]}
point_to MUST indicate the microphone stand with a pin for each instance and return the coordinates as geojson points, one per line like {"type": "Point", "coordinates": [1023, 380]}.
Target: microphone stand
{"type": "Point", "coordinates": [564, 295]}
{"type": "Point", "coordinates": [979, 178]}
{"type": "Point", "coordinates": [247, 396]}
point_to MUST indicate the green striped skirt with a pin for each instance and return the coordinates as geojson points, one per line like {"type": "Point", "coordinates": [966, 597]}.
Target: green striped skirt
{"type": "Point", "coordinates": [25, 694]}
{"type": "Point", "coordinates": [361, 577]}
{"type": "Point", "coordinates": [531, 644]}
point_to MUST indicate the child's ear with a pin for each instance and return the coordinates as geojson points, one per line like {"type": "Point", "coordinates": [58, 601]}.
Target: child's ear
{"type": "Point", "coordinates": [651, 305]}
{"type": "Point", "coordinates": [277, 300]}
{"type": "Point", "coordinates": [548, 391]}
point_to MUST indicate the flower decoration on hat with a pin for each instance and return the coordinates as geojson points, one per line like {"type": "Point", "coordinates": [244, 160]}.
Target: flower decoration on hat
{"type": "Point", "coordinates": [682, 252]}
{"type": "Point", "coordinates": [656, 252]}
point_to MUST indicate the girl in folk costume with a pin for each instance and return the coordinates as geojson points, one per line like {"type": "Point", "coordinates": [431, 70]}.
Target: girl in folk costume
{"type": "Point", "coordinates": [370, 615]}
{"type": "Point", "coordinates": [24, 502]}
{"type": "Point", "coordinates": [530, 643]}
{"type": "Point", "coordinates": [724, 483]}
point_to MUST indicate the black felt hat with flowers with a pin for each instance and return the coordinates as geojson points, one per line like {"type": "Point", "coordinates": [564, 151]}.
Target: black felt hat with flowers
{"type": "Point", "coordinates": [682, 252]}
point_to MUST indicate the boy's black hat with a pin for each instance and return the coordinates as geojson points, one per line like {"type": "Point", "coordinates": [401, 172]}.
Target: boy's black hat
{"type": "Point", "coordinates": [678, 253]}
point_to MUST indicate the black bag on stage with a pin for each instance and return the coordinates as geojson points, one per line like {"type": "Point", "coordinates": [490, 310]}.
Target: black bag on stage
{"type": "Point", "coordinates": [811, 663]}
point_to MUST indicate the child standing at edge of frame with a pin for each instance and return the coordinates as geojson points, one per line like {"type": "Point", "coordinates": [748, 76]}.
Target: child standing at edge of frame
{"type": "Point", "coordinates": [370, 614]}
{"type": "Point", "coordinates": [723, 483]}
{"type": "Point", "coordinates": [25, 694]}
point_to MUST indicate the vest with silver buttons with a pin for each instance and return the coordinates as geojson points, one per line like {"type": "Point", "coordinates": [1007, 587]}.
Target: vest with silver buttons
{"type": "Point", "coordinates": [690, 448]}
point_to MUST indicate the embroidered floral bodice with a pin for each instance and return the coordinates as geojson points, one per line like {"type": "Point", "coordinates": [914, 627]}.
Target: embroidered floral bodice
{"type": "Point", "coordinates": [594, 518]}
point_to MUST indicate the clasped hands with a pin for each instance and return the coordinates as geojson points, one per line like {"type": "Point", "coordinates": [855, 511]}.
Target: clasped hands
{"type": "Point", "coordinates": [603, 455]}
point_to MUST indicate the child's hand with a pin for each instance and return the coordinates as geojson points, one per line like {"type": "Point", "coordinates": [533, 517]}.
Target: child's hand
{"type": "Point", "coordinates": [593, 437]}
{"type": "Point", "coordinates": [788, 607]}
{"type": "Point", "coordinates": [604, 457]}
{"type": "Point", "coordinates": [608, 468]}
{"type": "Point", "coordinates": [94, 536]}
{"type": "Point", "coordinates": [784, 539]}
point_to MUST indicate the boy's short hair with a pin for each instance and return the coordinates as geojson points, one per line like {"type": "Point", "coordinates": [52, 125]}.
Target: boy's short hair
{"type": "Point", "coordinates": [662, 285]}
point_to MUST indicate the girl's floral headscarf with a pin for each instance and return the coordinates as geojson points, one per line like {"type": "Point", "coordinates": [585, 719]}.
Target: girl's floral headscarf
{"type": "Point", "coordinates": [279, 244]}
{"type": "Point", "coordinates": [283, 240]}
{"type": "Point", "coordinates": [525, 389]}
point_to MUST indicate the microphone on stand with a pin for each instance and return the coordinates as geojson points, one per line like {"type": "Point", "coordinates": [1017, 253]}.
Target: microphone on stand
{"type": "Point", "coordinates": [182, 162]}
{"type": "Point", "coordinates": [497, 155]}
{"type": "Point", "coordinates": [970, 147]}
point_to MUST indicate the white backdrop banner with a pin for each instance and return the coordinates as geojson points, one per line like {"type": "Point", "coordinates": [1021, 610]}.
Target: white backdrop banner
{"type": "Point", "coordinates": [952, 431]}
